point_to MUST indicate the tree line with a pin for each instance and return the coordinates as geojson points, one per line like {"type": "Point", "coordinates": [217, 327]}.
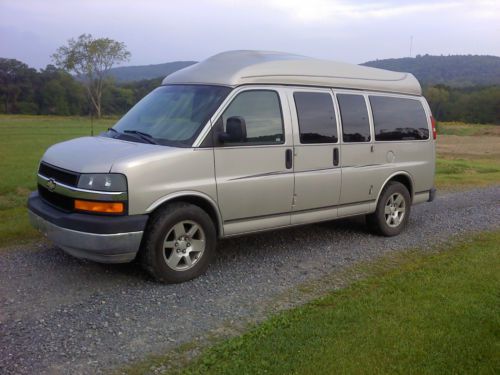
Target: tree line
{"type": "Point", "coordinates": [451, 70]}
{"type": "Point", "coordinates": [477, 104]}
{"type": "Point", "coordinates": [53, 91]}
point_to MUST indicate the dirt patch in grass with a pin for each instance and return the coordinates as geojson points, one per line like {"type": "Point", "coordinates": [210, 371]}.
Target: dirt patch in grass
{"type": "Point", "coordinates": [467, 161]}
{"type": "Point", "coordinates": [473, 146]}
{"type": "Point", "coordinates": [463, 129]}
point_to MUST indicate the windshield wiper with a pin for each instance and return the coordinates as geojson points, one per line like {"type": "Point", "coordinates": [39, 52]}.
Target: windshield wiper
{"type": "Point", "coordinates": [113, 130]}
{"type": "Point", "coordinates": [145, 136]}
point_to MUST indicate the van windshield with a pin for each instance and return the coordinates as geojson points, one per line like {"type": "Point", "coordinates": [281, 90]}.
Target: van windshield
{"type": "Point", "coordinates": [170, 115]}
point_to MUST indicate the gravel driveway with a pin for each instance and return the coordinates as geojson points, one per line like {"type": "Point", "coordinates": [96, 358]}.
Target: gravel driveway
{"type": "Point", "coordinates": [63, 315]}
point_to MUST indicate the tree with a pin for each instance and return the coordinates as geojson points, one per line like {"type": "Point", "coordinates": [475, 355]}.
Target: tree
{"type": "Point", "coordinates": [117, 99]}
{"type": "Point", "coordinates": [438, 97]}
{"type": "Point", "coordinates": [59, 93]}
{"type": "Point", "coordinates": [91, 59]}
{"type": "Point", "coordinates": [17, 82]}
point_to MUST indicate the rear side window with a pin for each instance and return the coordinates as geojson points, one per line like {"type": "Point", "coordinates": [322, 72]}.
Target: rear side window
{"type": "Point", "coordinates": [398, 119]}
{"type": "Point", "coordinates": [261, 112]}
{"type": "Point", "coordinates": [316, 114]}
{"type": "Point", "coordinates": [354, 114]}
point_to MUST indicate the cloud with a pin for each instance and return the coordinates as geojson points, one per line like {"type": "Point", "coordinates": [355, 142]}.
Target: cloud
{"type": "Point", "coordinates": [316, 10]}
{"type": "Point", "coordinates": [157, 31]}
{"type": "Point", "coordinates": [342, 11]}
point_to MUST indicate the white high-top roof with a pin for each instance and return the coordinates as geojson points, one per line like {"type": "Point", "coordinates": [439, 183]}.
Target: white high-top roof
{"type": "Point", "coordinates": [235, 68]}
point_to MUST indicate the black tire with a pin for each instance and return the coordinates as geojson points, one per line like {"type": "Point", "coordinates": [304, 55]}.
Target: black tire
{"type": "Point", "coordinates": [377, 221]}
{"type": "Point", "coordinates": [153, 252]}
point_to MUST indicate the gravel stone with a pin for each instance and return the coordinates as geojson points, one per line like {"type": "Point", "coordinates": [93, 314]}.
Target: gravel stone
{"type": "Point", "coordinates": [62, 315]}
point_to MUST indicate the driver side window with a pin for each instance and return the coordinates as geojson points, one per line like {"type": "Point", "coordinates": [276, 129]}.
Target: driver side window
{"type": "Point", "coordinates": [253, 118]}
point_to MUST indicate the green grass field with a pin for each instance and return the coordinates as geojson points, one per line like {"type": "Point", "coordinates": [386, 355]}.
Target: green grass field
{"type": "Point", "coordinates": [25, 138]}
{"type": "Point", "coordinates": [23, 142]}
{"type": "Point", "coordinates": [461, 173]}
{"type": "Point", "coordinates": [468, 156]}
{"type": "Point", "coordinates": [416, 313]}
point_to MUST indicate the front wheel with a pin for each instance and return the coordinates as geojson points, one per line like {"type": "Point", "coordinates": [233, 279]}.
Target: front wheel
{"type": "Point", "coordinates": [179, 244]}
{"type": "Point", "coordinates": [393, 210]}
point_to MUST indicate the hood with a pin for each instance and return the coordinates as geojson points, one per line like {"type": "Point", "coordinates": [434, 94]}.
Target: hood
{"type": "Point", "coordinates": [96, 154]}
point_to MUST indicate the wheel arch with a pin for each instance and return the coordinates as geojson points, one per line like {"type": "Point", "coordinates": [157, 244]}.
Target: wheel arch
{"type": "Point", "coordinates": [401, 176]}
{"type": "Point", "coordinates": [205, 202]}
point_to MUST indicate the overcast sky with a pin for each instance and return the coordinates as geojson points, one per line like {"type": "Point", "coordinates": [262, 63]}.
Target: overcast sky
{"type": "Point", "coordinates": [157, 31]}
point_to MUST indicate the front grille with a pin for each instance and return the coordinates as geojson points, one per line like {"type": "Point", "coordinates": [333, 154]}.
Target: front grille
{"type": "Point", "coordinates": [59, 174]}
{"type": "Point", "coordinates": [63, 202]}
{"type": "Point", "coordinates": [57, 200]}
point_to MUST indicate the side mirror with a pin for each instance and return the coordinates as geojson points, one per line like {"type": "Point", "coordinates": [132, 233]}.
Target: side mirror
{"type": "Point", "coordinates": [236, 130]}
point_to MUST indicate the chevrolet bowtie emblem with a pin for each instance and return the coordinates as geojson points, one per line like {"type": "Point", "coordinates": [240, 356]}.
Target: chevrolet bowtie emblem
{"type": "Point", "coordinates": [51, 184]}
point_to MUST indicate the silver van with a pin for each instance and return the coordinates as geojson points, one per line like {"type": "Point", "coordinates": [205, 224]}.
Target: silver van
{"type": "Point", "coordinates": [245, 141]}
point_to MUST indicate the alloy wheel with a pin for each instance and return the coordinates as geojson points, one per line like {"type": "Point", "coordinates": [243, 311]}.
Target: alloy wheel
{"type": "Point", "coordinates": [395, 209]}
{"type": "Point", "coordinates": [184, 245]}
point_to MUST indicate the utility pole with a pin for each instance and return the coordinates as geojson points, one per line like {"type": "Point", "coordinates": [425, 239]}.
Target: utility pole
{"type": "Point", "coordinates": [411, 44]}
{"type": "Point", "coordinates": [91, 115]}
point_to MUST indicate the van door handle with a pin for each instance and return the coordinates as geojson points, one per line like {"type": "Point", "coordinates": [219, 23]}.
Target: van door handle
{"type": "Point", "coordinates": [335, 156]}
{"type": "Point", "coordinates": [288, 158]}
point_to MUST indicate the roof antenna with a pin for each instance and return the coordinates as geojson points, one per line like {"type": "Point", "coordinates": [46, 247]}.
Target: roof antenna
{"type": "Point", "coordinates": [411, 44]}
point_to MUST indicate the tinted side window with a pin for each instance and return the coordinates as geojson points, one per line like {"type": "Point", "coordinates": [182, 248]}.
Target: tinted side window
{"type": "Point", "coordinates": [261, 111]}
{"type": "Point", "coordinates": [354, 114]}
{"type": "Point", "coordinates": [398, 119]}
{"type": "Point", "coordinates": [316, 116]}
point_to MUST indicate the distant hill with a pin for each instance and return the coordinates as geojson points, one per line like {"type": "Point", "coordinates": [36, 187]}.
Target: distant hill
{"type": "Point", "coordinates": [454, 70]}
{"type": "Point", "coordinates": [140, 72]}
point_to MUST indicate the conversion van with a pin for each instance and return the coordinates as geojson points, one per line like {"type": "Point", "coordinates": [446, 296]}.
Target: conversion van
{"type": "Point", "coordinates": [243, 142]}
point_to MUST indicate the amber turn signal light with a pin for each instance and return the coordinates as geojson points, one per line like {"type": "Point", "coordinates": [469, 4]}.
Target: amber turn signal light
{"type": "Point", "coordinates": [104, 207]}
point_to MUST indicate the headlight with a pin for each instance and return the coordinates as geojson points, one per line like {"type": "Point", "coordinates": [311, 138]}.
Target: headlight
{"type": "Point", "coordinates": [103, 182]}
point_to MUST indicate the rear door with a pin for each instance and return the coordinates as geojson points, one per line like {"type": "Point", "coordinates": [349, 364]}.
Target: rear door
{"type": "Point", "coordinates": [359, 169]}
{"type": "Point", "coordinates": [403, 141]}
{"type": "Point", "coordinates": [317, 154]}
{"type": "Point", "coordinates": [255, 175]}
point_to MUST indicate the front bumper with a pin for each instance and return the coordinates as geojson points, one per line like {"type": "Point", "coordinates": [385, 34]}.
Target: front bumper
{"type": "Point", "coordinates": [105, 239]}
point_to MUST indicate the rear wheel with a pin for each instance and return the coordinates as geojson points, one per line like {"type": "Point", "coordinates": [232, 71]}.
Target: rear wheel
{"type": "Point", "coordinates": [179, 243]}
{"type": "Point", "coordinates": [393, 210]}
